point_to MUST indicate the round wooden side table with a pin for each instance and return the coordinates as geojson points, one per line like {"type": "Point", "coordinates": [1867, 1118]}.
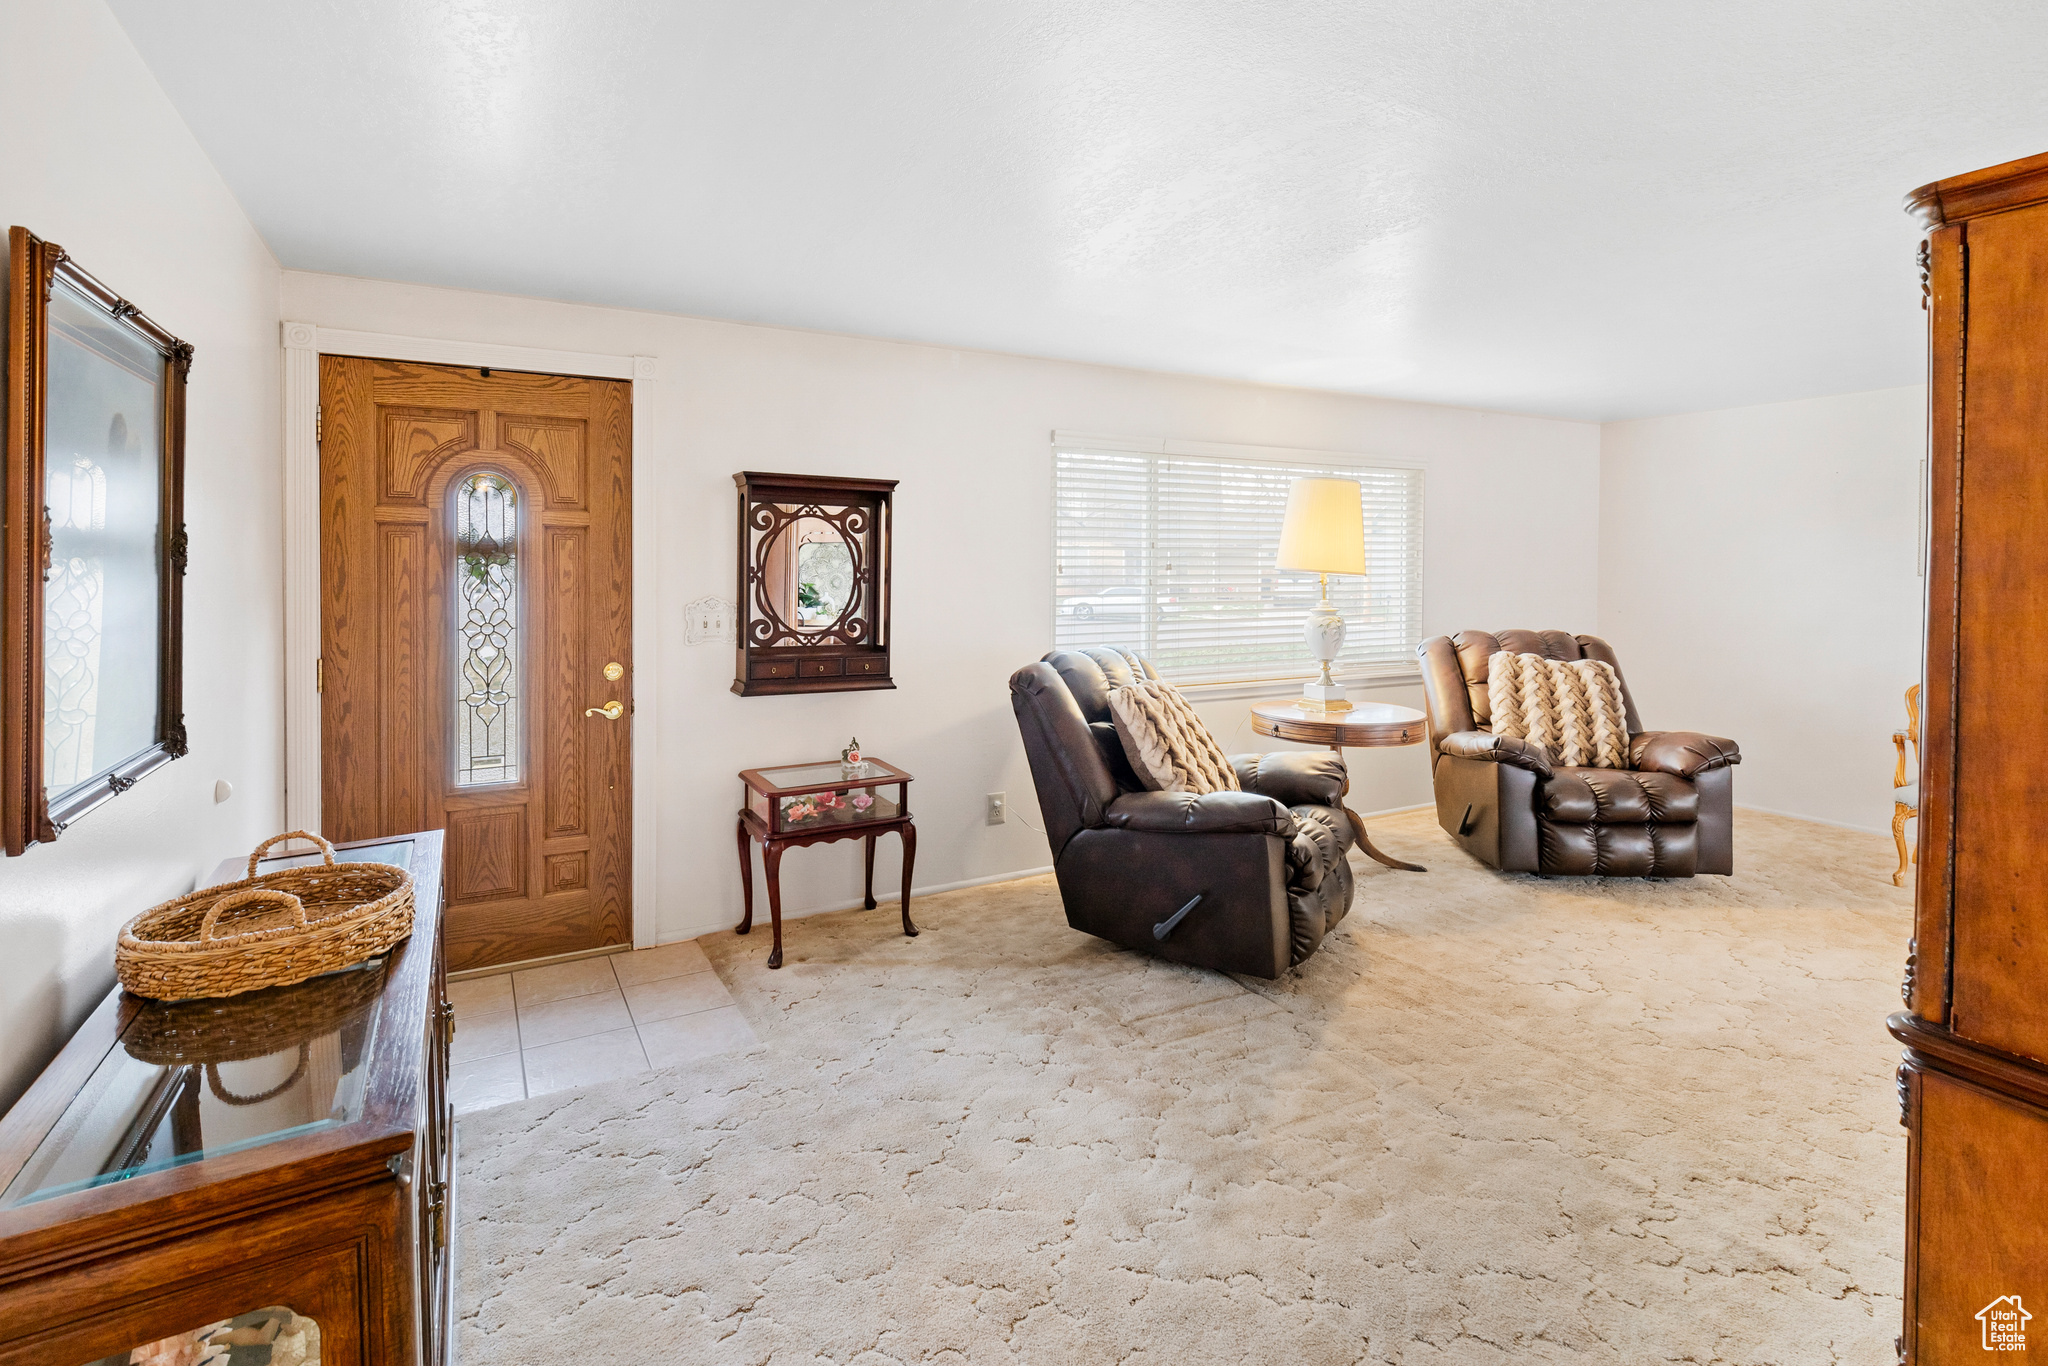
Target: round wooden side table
{"type": "Point", "coordinates": [1367, 725]}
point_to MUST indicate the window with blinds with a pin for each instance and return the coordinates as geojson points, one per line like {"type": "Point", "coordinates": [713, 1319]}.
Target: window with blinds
{"type": "Point", "coordinates": [1172, 555]}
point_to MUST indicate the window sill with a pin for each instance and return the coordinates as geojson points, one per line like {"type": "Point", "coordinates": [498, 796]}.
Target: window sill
{"type": "Point", "coordinates": [1387, 676]}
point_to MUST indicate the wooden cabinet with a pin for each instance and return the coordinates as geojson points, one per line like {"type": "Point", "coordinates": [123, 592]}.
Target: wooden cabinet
{"type": "Point", "coordinates": [1974, 1082]}
{"type": "Point", "coordinates": [179, 1165]}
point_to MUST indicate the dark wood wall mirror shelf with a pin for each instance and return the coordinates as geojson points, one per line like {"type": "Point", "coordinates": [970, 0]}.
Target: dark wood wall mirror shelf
{"type": "Point", "coordinates": [814, 595]}
{"type": "Point", "coordinates": [92, 544]}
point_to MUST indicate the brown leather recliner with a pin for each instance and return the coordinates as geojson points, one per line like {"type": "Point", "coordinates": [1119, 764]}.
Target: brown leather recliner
{"type": "Point", "coordinates": [1267, 864]}
{"type": "Point", "coordinates": [1670, 813]}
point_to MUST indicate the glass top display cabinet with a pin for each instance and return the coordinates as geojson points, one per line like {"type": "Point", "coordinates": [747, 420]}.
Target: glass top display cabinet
{"type": "Point", "coordinates": [791, 805]}
{"type": "Point", "coordinates": [814, 597]}
{"type": "Point", "coordinates": [258, 1180]}
{"type": "Point", "coordinates": [807, 799]}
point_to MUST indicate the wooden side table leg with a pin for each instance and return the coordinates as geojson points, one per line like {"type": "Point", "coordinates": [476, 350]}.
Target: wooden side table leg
{"type": "Point", "coordinates": [746, 924]}
{"type": "Point", "coordinates": [909, 833]}
{"type": "Point", "coordinates": [870, 842]}
{"type": "Point", "coordinates": [1358, 826]}
{"type": "Point", "coordinates": [1371, 852]}
{"type": "Point", "coordinates": [771, 863]}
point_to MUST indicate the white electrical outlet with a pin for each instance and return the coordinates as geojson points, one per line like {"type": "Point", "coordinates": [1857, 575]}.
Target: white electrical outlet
{"type": "Point", "coordinates": [996, 815]}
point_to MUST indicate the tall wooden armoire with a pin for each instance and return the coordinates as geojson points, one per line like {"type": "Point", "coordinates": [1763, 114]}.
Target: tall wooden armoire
{"type": "Point", "coordinates": [1974, 1083]}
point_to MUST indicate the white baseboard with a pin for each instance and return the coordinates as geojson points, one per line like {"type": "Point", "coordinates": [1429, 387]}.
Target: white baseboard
{"type": "Point", "coordinates": [1817, 820]}
{"type": "Point", "coordinates": [1399, 810]}
{"type": "Point", "coordinates": [883, 901]}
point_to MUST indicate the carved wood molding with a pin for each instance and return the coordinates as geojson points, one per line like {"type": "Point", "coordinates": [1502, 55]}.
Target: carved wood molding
{"type": "Point", "coordinates": [1930, 1048]}
{"type": "Point", "coordinates": [2010, 185]}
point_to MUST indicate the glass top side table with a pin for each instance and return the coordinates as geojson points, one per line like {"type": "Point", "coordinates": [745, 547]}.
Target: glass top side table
{"type": "Point", "coordinates": [797, 804]}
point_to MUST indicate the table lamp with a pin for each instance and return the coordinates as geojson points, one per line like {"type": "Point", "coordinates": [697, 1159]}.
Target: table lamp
{"type": "Point", "coordinates": [1324, 534]}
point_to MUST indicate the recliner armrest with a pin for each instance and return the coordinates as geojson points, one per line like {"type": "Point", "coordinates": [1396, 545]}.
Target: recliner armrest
{"type": "Point", "coordinates": [1681, 753]}
{"type": "Point", "coordinates": [1210, 813]}
{"type": "Point", "coordinates": [1499, 749]}
{"type": "Point", "coordinates": [1292, 777]}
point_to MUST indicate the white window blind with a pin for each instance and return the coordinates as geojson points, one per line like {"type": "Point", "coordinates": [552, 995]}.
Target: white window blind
{"type": "Point", "coordinates": [1172, 555]}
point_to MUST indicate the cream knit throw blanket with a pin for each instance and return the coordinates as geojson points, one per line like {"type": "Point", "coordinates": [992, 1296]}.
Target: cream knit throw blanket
{"type": "Point", "coordinates": [1167, 744]}
{"type": "Point", "coordinates": [1572, 707]}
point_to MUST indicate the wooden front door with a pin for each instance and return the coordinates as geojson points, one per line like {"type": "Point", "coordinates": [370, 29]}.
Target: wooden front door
{"type": "Point", "coordinates": [476, 591]}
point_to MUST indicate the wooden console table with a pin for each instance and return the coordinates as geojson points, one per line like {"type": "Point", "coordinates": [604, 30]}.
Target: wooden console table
{"type": "Point", "coordinates": [1367, 725]}
{"type": "Point", "coordinates": [817, 804]}
{"type": "Point", "coordinates": [183, 1163]}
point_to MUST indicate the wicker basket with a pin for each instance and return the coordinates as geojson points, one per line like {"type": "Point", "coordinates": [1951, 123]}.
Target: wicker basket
{"type": "Point", "coordinates": [266, 931]}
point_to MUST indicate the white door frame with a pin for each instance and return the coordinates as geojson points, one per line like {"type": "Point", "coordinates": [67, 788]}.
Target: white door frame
{"type": "Point", "coordinates": [304, 344]}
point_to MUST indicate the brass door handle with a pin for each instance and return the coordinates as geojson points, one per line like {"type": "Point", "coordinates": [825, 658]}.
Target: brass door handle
{"type": "Point", "coordinates": [610, 711]}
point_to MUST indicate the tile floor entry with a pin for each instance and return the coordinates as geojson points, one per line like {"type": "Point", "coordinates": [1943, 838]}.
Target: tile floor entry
{"type": "Point", "coordinates": [527, 1033]}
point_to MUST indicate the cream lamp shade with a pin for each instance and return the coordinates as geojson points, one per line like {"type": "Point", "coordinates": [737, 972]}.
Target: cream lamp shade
{"type": "Point", "coordinates": [1324, 530]}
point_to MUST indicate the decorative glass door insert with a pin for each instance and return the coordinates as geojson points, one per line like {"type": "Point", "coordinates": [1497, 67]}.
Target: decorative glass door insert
{"type": "Point", "coordinates": [488, 738]}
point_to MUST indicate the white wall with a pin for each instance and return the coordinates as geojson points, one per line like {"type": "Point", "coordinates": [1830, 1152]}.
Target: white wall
{"type": "Point", "coordinates": [968, 434]}
{"type": "Point", "coordinates": [1755, 567]}
{"type": "Point", "coordinates": [92, 156]}
{"type": "Point", "coordinates": [1759, 580]}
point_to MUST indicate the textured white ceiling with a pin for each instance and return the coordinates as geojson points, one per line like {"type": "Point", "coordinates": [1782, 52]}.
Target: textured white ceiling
{"type": "Point", "coordinates": [1587, 209]}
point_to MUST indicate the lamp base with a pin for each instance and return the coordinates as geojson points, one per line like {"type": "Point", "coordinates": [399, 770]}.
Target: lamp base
{"type": "Point", "coordinates": [1324, 697]}
{"type": "Point", "coordinates": [1325, 636]}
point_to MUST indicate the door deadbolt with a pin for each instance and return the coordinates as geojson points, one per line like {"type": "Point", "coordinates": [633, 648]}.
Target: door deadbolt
{"type": "Point", "coordinates": [614, 671]}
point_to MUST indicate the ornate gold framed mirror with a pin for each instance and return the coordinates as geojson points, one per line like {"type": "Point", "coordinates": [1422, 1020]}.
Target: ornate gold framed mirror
{"type": "Point", "coordinates": [813, 584]}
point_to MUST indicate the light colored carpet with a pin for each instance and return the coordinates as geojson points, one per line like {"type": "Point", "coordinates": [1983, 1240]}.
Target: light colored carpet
{"type": "Point", "coordinates": [1496, 1119]}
